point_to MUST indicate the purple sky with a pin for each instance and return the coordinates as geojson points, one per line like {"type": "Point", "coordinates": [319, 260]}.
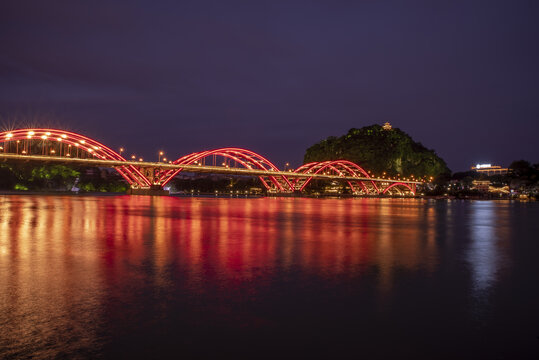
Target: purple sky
{"type": "Point", "coordinates": [462, 77]}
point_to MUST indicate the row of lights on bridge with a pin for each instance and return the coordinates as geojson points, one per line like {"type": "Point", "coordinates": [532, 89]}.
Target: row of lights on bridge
{"type": "Point", "coordinates": [46, 136]}
{"type": "Point", "coordinates": [159, 159]}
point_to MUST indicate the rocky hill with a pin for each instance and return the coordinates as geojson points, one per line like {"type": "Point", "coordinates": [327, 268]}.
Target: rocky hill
{"type": "Point", "coordinates": [380, 149]}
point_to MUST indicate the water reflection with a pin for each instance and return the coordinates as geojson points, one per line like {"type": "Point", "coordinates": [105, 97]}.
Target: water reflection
{"type": "Point", "coordinates": [75, 269]}
{"type": "Point", "coordinates": [48, 277]}
{"type": "Point", "coordinates": [488, 238]}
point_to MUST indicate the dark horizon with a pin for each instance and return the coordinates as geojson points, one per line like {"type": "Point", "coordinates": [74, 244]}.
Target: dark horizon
{"type": "Point", "coordinates": [460, 77]}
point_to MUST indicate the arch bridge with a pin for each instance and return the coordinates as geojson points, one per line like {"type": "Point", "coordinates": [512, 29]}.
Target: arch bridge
{"type": "Point", "coordinates": [60, 146]}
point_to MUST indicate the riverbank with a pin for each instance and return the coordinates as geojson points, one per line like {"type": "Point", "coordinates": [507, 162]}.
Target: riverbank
{"type": "Point", "coordinates": [63, 193]}
{"type": "Point", "coordinates": [255, 196]}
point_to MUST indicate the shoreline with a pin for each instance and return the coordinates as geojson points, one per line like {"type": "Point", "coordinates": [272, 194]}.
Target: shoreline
{"type": "Point", "coordinates": [257, 196]}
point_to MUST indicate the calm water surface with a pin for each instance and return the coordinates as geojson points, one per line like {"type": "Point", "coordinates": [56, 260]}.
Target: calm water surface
{"type": "Point", "coordinates": [164, 277]}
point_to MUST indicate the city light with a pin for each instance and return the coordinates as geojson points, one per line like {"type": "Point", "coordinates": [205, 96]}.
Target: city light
{"type": "Point", "coordinates": [482, 166]}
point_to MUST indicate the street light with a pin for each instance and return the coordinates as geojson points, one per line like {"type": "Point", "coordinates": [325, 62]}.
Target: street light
{"type": "Point", "coordinates": [44, 137]}
{"type": "Point", "coordinates": [121, 151]}
{"type": "Point", "coordinates": [159, 158]}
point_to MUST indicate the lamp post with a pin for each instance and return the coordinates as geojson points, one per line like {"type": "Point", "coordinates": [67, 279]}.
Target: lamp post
{"type": "Point", "coordinates": [44, 137]}
{"type": "Point", "coordinates": [159, 158]}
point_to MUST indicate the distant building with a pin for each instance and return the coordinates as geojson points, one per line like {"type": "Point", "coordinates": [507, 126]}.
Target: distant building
{"type": "Point", "coordinates": [481, 185]}
{"type": "Point", "coordinates": [387, 126]}
{"type": "Point", "coordinates": [489, 169]}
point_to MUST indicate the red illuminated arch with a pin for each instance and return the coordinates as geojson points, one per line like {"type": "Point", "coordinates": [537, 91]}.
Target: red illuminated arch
{"type": "Point", "coordinates": [90, 146]}
{"type": "Point", "coordinates": [399, 184]}
{"type": "Point", "coordinates": [246, 158]}
{"type": "Point", "coordinates": [341, 167]}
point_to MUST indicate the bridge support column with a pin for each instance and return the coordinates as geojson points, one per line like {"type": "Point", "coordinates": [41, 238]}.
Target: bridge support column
{"type": "Point", "coordinates": [154, 190]}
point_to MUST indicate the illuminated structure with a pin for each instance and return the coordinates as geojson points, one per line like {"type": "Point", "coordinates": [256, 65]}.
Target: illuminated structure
{"type": "Point", "coordinates": [53, 145]}
{"type": "Point", "coordinates": [489, 169]}
{"type": "Point", "coordinates": [481, 185]}
{"type": "Point", "coordinates": [387, 126]}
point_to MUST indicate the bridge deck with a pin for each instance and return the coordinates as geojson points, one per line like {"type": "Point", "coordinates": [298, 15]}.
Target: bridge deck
{"type": "Point", "coordinates": [188, 168]}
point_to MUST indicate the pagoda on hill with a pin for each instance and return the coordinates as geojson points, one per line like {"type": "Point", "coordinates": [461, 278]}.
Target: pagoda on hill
{"type": "Point", "coordinates": [387, 126]}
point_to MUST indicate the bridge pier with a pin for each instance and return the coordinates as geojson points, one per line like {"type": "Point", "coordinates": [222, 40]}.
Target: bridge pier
{"type": "Point", "coordinates": [154, 190]}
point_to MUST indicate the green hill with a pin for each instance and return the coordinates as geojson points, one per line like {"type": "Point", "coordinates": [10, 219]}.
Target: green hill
{"type": "Point", "coordinates": [380, 150]}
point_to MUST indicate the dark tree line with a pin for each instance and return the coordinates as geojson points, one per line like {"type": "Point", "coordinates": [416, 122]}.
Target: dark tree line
{"type": "Point", "coordinates": [59, 178]}
{"type": "Point", "coordinates": [211, 184]}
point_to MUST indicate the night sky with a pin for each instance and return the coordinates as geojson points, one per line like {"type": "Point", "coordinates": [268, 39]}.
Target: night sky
{"type": "Point", "coordinates": [462, 77]}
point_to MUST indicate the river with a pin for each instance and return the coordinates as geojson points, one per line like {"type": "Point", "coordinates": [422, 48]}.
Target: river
{"type": "Point", "coordinates": [167, 277]}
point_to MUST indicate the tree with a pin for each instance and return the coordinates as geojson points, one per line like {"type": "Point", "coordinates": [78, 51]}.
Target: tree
{"type": "Point", "coordinates": [379, 150]}
{"type": "Point", "coordinates": [521, 168]}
